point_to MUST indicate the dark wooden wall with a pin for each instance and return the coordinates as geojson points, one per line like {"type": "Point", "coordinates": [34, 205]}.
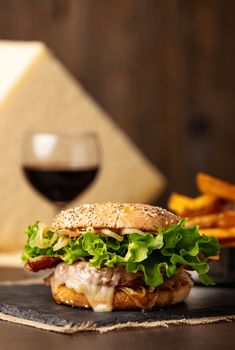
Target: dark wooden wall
{"type": "Point", "coordinates": [164, 70]}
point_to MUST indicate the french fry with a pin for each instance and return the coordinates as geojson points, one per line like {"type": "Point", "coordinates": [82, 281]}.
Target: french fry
{"type": "Point", "coordinates": [215, 187]}
{"type": "Point", "coordinates": [203, 221]}
{"type": "Point", "coordinates": [221, 233]}
{"type": "Point", "coordinates": [213, 211]}
{"type": "Point", "coordinates": [223, 219]}
{"type": "Point", "coordinates": [187, 206]}
{"type": "Point", "coordinates": [226, 219]}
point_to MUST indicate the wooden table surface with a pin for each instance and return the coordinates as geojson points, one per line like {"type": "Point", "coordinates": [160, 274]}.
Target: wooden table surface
{"type": "Point", "coordinates": [213, 336]}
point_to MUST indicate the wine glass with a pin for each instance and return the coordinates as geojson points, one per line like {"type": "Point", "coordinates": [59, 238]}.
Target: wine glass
{"type": "Point", "coordinates": [60, 165]}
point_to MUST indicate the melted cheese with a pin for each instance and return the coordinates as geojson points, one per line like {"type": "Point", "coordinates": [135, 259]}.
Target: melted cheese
{"type": "Point", "coordinates": [97, 285]}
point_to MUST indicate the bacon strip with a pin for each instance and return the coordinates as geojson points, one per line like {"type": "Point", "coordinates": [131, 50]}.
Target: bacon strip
{"type": "Point", "coordinates": [41, 263]}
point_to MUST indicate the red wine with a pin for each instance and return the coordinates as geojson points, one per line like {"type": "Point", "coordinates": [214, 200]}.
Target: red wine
{"type": "Point", "coordinates": [59, 184]}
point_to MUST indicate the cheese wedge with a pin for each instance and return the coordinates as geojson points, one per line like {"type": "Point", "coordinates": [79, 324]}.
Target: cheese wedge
{"type": "Point", "coordinates": [38, 93]}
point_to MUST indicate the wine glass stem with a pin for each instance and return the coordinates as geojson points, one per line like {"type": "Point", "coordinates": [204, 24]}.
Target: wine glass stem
{"type": "Point", "coordinates": [59, 206]}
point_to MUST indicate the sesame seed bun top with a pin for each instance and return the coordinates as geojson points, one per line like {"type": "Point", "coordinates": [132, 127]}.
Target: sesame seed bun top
{"type": "Point", "coordinates": [115, 216]}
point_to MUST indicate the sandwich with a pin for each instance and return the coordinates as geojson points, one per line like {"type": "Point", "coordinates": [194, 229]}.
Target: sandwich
{"type": "Point", "coordinates": [119, 256]}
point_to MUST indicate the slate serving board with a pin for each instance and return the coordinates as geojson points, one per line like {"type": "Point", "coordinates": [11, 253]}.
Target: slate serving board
{"type": "Point", "coordinates": [34, 302]}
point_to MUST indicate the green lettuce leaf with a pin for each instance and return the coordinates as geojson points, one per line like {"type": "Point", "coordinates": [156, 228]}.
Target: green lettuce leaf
{"type": "Point", "coordinates": [157, 256]}
{"type": "Point", "coordinates": [31, 250]}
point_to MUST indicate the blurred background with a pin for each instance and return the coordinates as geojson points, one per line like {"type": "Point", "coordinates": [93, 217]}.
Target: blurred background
{"type": "Point", "coordinates": [163, 70]}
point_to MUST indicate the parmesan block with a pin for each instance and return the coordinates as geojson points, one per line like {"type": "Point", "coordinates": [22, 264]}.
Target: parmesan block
{"type": "Point", "coordinates": [38, 93]}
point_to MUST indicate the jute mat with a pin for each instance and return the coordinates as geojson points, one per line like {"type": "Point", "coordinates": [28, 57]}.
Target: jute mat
{"type": "Point", "coordinates": [30, 303]}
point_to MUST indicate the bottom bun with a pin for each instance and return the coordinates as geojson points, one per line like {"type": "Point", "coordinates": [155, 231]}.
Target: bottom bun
{"type": "Point", "coordinates": [173, 290]}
